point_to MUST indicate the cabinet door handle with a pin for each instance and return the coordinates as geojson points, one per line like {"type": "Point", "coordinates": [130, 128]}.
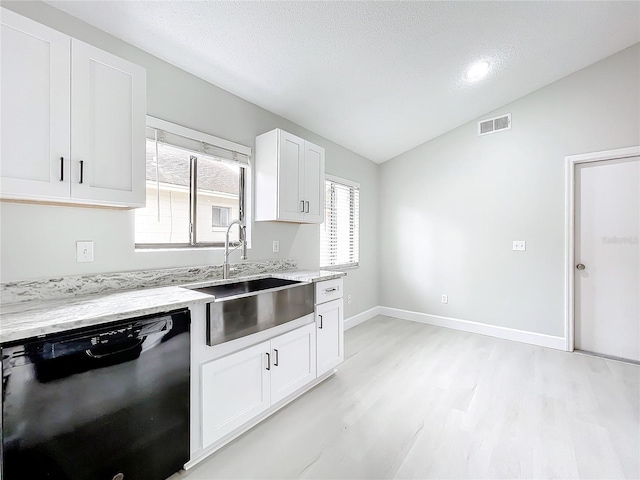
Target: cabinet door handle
{"type": "Point", "coordinates": [275, 361]}
{"type": "Point", "coordinates": [302, 206]}
{"type": "Point", "coordinates": [81, 171]}
{"type": "Point", "coordinates": [307, 207]}
{"type": "Point", "coordinates": [320, 322]}
{"type": "Point", "coordinates": [268, 361]}
{"type": "Point", "coordinates": [62, 169]}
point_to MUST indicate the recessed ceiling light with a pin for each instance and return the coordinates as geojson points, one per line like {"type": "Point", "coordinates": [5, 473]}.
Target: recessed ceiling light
{"type": "Point", "coordinates": [477, 70]}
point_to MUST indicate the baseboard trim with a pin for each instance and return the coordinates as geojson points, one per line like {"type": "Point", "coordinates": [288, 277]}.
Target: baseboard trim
{"type": "Point", "coordinates": [361, 317]}
{"type": "Point", "coordinates": [522, 336]}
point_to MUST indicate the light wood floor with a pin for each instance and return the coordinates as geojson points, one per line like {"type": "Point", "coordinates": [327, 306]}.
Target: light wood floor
{"type": "Point", "coordinates": [416, 401]}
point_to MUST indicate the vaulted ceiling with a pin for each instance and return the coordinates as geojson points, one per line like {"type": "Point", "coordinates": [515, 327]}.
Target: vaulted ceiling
{"type": "Point", "coordinates": [376, 77]}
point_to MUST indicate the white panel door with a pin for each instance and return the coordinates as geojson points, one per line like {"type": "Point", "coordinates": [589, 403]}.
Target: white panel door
{"type": "Point", "coordinates": [329, 335]}
{"type": "Point", "coordinates": [107, 127]}
{"type": "Point", "coordinates": [35, 111]}
{"type": "Point", "coordinates": [293, 361]}
{"type": "Point", "coordinates": [234, 390]}
{"type": "Point", "coordinates": [607, 289]}
{"type": "Point", "coordinates": [290, 171]}
{"type": "Point", "coordinates": [313, 189]}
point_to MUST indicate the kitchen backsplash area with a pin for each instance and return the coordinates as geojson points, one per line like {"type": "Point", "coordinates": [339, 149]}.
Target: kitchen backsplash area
{"type": "Point", "coordinates": [64, 287]}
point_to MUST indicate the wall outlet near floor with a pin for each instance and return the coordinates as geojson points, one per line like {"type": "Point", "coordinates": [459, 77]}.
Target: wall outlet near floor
{"type": "Point", "coordinates": [445, 298]}
{"type": "Point", "coordinates": [519, 245]}
{"type": "Point", "coordinates": [349, 299]}
{"type": "Point", "coordinates": [276, 246]}
{"type": "Point", "coordinates": [84, 251]}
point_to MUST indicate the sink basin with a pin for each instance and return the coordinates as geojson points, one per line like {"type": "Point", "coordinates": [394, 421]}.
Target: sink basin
{"type": "Point", "coordinates": [246, 307]}
{"type": "Point", "coordinates": [246, 287]}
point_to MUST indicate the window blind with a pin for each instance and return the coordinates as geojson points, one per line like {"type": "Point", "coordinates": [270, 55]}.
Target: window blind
{"type": "Point", "coordinates": [340, 232]}
{"type": "Point", "coordinates": [196, 146]}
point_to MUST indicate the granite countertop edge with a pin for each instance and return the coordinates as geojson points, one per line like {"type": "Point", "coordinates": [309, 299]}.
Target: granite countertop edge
{"type": "Point", "coordinates": [19, 321]}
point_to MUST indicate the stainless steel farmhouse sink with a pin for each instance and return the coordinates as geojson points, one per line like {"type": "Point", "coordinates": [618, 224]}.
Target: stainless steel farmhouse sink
{"type": "Point", "coordinates": [246, 287]}
{"type": "Point", "coordinates": [241, 308]}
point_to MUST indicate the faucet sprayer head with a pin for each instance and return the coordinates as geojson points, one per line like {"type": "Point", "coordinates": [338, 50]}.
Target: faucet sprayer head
{"type": "Point", "coordinates": [243, 239]}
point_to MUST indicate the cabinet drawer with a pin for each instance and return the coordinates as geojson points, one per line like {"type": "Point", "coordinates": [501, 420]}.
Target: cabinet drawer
{"type": "Point", "coordinates": [328, 290]}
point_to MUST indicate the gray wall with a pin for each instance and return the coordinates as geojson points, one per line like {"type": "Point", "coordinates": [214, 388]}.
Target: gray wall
{"type": "Point", "coordinates": [39, 241]}
{"type": "Point", "coordinates": [450, 208]}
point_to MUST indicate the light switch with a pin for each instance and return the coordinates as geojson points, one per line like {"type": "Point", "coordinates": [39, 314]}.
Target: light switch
{"type": "Point", "coordinates": [84, 251]}
{"type": "Point", "coordinates": [276, 246]}
{"type": "Point", "coordinates": [519, 245]}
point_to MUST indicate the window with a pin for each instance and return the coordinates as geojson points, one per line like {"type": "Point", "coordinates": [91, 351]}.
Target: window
{"type": "Point", "coordinates": [340, 232]}
{"type": "Point", "coordinates": [220, 216]}
{"type": "Point", "coordinates": [195, 188]}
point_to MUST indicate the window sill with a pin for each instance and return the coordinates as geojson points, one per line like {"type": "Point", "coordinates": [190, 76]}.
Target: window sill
{"type": "Point", "coordinates": [182, 249]}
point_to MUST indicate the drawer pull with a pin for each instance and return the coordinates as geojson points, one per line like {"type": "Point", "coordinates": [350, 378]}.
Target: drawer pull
{"type": "Point", "coordinates": [329, 290]}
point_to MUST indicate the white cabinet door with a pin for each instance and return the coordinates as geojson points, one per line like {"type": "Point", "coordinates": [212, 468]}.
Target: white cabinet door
{"type": "Point", "coordinates": [293, 362]}
{"type": "Point", "coordinates": [107, 127]}
{"type": "Point", "coordinates": [35, 109]}
{"type": "Point", "coordinates": [290, 177]}
{"type": "Point", "coordinates": [313, 183]}
{"type": "Point", "coordinates": [329, 335]}
{"type": "Point", "coordinates": [234, 390]}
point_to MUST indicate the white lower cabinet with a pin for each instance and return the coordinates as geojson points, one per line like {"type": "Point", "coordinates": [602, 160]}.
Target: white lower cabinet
{"type": "Point", "coordinates": [293, 362]}
{"type": "Point", "coordinates": [329, 335]}
{"type": "Point", "coordinates": [234, 390]}
{"type": "Point", "coordinates": [238, 387]}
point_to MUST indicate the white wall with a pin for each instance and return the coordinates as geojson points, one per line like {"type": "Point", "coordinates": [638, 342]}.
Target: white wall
{"type": "Point", "coordinates": [176, 96]}
{"type": "Point", "coordinates": [450, 208]}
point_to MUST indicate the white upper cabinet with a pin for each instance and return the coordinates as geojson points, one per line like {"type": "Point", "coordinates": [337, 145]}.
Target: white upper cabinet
{"type": "Point", "coordinates": [313, 183]}
{"type": "Point", "coordinates": [35, 109]}
{"type": "Point", "coordinates": [108, 115]}
{"type": "Point", "coordinates": [73, 119]}
{"type": "Point", "coordinates": [289, 178]}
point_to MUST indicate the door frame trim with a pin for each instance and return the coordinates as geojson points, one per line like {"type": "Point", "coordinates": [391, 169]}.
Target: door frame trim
{"type": "Point", "coordinates": [569, 257]}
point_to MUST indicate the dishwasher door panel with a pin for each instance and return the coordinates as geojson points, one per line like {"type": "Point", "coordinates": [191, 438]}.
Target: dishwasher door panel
{"type": "Point", "coordinates": [76, 413]}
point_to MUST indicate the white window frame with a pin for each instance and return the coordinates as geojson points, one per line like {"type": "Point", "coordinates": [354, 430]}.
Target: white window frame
{"type": "Point", "coordinates": [351, 184]}
{"type": "Point", "coordinates": [217, 142]}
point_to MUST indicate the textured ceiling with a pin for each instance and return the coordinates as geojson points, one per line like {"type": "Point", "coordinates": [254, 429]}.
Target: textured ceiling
{"type": "Point", "coordinates": [376, 77]}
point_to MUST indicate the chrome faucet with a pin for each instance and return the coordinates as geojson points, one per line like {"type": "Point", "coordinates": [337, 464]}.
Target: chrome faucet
{"type": "Point", "coordinates": [242, 243]}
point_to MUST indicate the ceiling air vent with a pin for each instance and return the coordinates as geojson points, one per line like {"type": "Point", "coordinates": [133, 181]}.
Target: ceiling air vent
{"type": "Point", "coordinates": [493, 125]}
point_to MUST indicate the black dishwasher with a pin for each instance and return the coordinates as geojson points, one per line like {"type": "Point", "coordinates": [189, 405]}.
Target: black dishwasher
{"type": "Point", "coordinates": [98, 403]}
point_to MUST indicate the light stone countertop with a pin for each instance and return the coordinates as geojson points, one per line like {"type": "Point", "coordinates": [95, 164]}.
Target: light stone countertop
{"type": "Point", "coordinates": [34, 318]}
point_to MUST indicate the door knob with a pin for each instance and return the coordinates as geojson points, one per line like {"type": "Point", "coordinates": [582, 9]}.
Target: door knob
{"type": "Point", "coordinates": [580, 266]}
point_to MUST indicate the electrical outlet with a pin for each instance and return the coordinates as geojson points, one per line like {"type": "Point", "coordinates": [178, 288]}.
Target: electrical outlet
{"type": "Point", "coordinates": [276, 246]}
{"type": "Point", "coordinates": [519, 245]}
{"type": "Point", "coordinates": [445, 298]}
{"type": "Point", "coordinates": [84, 251]}
{"type": "Point", "coordinates": [349, 299]}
